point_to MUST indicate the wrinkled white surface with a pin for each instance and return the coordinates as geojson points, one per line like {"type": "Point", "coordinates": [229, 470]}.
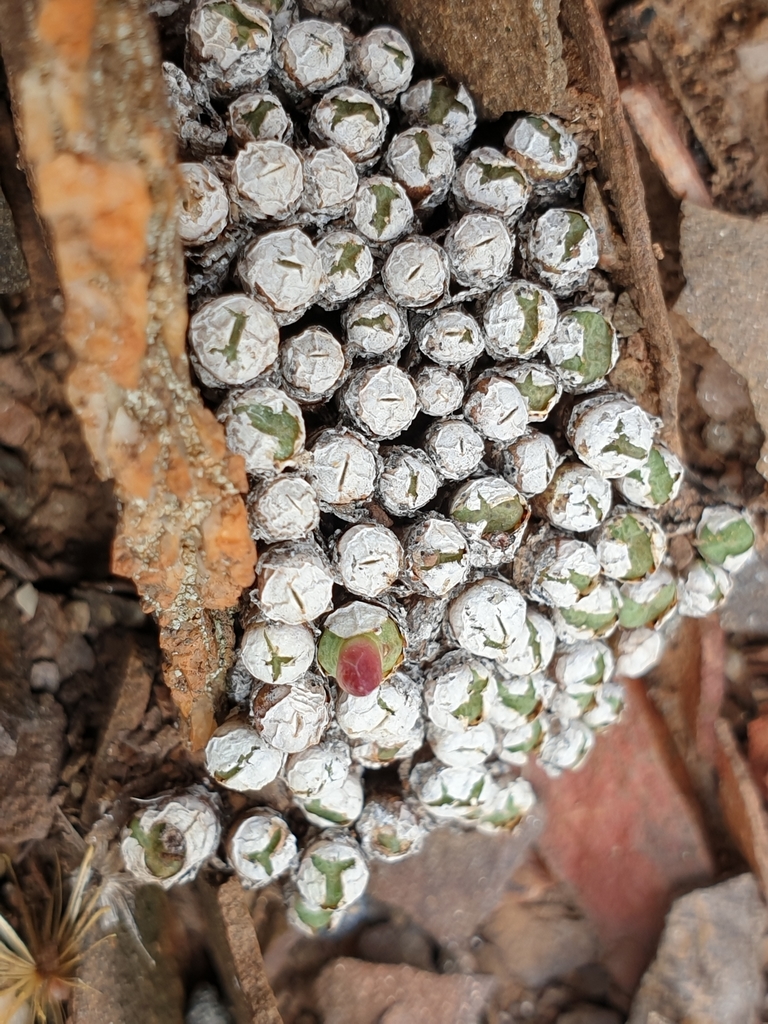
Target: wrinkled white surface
{"type": "Point", "coordinates": [261, 642]}
{"type": "Point", "coordinates": [369, 559]}
{"type": "Point", "coordinates": [488, 618]}
{"type": "Point", "coordinates": [379, 340]}
{"type": "Point", "coordinates": [330, 182]}
{"type": "Point", "coordinates": [259, 448]}
{"type": "Point", "coordinates": [391, 818]}
{"type": "Point", "coordinates": [639, 491]}
{"type": "Point", "coordinates": [702, 590]}
{"type": "Point", "coordinates": [285, 268]}
{"type": "Point", "coordinates": [253, 835]}
{"type": "Point", "coordinates": [471, 746]}
{"type": "Point", "coordinates": [235, 743]}
{"type": "Point", "coordinates": [432, 782]}
{"type": "Point", "coordinates": [567, 498]}
{"type": "Point", "coordinates": [407, 482]}
{"type": "Point", "coordinates": [596, 423]}
{"type": "Point", "coordinates": [379, 67]}
{"type": "Point", "coordinates": [416, 273]}
{"type": "Point", "coordinates": [312, 363]}
{"type": "Point", "coordinates": [204, 209]}
{"type": "Point", "coordinates": [285, 508]}
{"type": "Point", "coordinates": [440, 391]}
{"type": "Point", "coordinates": [295, 585]}
{"type": "Point", "coordinates": [530, 462]}
{"type": "Point", "coordinates": [456, 448]}
{"type": "Point", "coordinates": [457, 126]}
{"type": "Point", "coordinates": [504, 320]}
{"type": "Point", "coordinates": [344, 470]}
{"type": "Point", "coordinates": [435, 536]}
{"type": "Point", "coordinates": [310, 883]}
{"type": "Point", "coordinates": [540, 159]}
{"type": "Point", "coordinates": [451, 338]}
{"type": "Point", "coordinates": [365, 208]}
{"type": "Point", "coordinates": [382, 400]}
{"type": "Point", "coordinates": [312, 55]}
{"type": "Point", "coordinates": [506, 197]}
{"type": "Point", "coordinates": [497, 409]}
{"type": "Point", "coordinates": [479, 249]}
{"type": "Point", "coordinates": [299, 719]}
{"type": "Point", "coordinates": [360, 139]}
{"type": "Point", "coordinates": [269, 178]}
{"type": "Point", "coordinates": [211, 328]}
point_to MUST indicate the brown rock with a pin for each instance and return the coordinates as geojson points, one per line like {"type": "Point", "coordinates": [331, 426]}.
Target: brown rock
{"type": "Point", "coordinates": [472, 42]}
{"type": "Point", "coordinates": [625, 834]}
{"type": "Point", "coordinates": [119, 982]}
{"type": "Point", "coordinates": [456, 881]}
{"type": "Point", "coordinates": [13, 270]}
{"type": "Point", "coordinates": [757, 750]}
{"type": "Point", "coordinates": [709, 966]}
{"type": "Point", "coordinates": [536, 942]}
{"type": "Point", "coordinates": [97, 142]}
{"type": "Point", "coordinates": [590, 1015]}
{"type": "Point", "coordinates": [725, 260]}
{"type": "Point", "coordinates": [354, 992]}
{"type": "Point", "coordinates": [746, 610]}
{"type": "Point", "coordinates": [742, 803]}
{"type": "Point", "coordinates": [234, 948]}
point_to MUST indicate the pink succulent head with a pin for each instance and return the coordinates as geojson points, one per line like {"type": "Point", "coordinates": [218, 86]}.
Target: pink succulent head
{"type": "Point", "coordinates": [359, 670]}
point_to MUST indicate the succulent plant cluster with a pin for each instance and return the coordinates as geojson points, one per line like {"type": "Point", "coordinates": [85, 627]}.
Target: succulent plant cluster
{"type": "Point", "coordinates": [457, 516]}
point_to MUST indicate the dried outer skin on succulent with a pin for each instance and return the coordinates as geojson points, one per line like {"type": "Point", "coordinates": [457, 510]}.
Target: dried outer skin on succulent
{"type": "Point", "coordinates": [391, 829]}
{"type": "Point", "coordinates": [352, 120]}
{"type": "Point", "coordinates": [656, 482]}
{"type": "Point", "coordinates": [472, 746]}
{"type": "Point", "coordinates": [381, 211]}
{"type": "Point", "coordinates": [702, 589]}
{"type": "Point", "coordinates": [277, 653]}
{"type": "Point", "coordinates": [611, 434]}
{"type": "Point", "coordinates": [269, 180]}
{"type": "Point", "coordinates": [455, 447]}
{"type": "Point", "coordinates": [265, 426]}
{"type": "Point", "coordinates": [256, 116]}
{"type": "Point", "coordinates": [540, 386]}
{"type": "Point", "coordinates": [560, 246]}
{"type": "Point", "coordinates": [313, 365]}
{"type": "Point", "coordinates": [440, 391]}
{"type": "Point", "coordinates": [199, 129]}
{"type": "Point", "coordinates": [284, 269]}
{"type": "Point", "coordinates": [493, 515]}
{"type": "Point", "coordinates": [577, 500]}
{"type": "Point", "coordinates": [375, 327]}
{"type": "Point", "coordinates": [446, 108]}
{"type": "Point", "coordinates": [416, 274]}
{"type": "Point", "coordinates": [542, 147]}
{"type": "Point", "coordinates": [204, 208]}
{"type": "Point", "coordinates": [316, 881]}
{"type": "Point", "coordinates": [408, 480]}
{"type": "Point", "coordinates": [584, 349]}
{"type": "Point", "coordinates": [488, 618]}
{"type": "Point", "coordinates": [490, 182]}
{"type": "Point", "coordinates": [381, 401]}
{"type": "Point", "coordinates": [480, 248]}
{"type": "Point", "coordinates": [229, 47]}
{"type": "Point", "coordinates": [292, 718]}
{"type": "Point", "coordinates": [182, 534]}
{"type": "Point", "coordinates": [368, 558]}
{"type": "Point", "coordinates": [496, 408]}
{"type": "Point", "coordinates": [519, 319]}
{"type": "Point", "coordinates": [311, 58]}
{"type": "Point", "coordinates": [261, 848]}
{"type": "Point", "coordinates": [437, 556]}
{"type": "Point", "coordinates": [239, 759]}
{"type": "Point", "coordinates": [528, 462]}
{"type": "Point", "coordinates": [422, 161]}
{"type": "Point", "coordinates": [247, 337]}
{"type": "Point", "coordinates": [295, 583]}
{"type": "Point", "coordinates": [283, 508]}
{"type": "Point", "coordinates": [382, 60]}
{"type": "Point", "coordinates": [344, 470]}
{"type": "Point", "coordinates": [348, 266]}
{"type": "Point", "coordinates": [451, 338]}
{"type": "Point", "coordinates": [330, 184]}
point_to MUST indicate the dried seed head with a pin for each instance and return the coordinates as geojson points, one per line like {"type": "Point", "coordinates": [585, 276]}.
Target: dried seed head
{"type": "Point", "coordinates": [493, 515]}
{"type": "Point", "coordinates": [451, 338]}
{"type": "Point", "coordinates": [519, 320]}
{"type": "Point", "coordinates": [312, 364]}
{"type": "Point", "coordinates": [390, 829]}
{"type": "Point", "coordinates": [471, 746]}
{"type": "Point", "coordinates": [407, 482]}
{"type": "Point", "coordinates": [630, 545]}
{"type": "Point", "coordinates": [422, 161]}
{"type": "Point", "coordinates": [540, 387]}
{"type": "Point", "coordinates": [496, 408]}
{"type": "Point", "coordinates": [295, 583]}
{"type": "Point", "coordinates": [561, 247]}
{"type": "Point", "coordinates": [284, 508]}
{"type": "Point", "coordinates": [294, 717]}
{"type": "Point", "coordinates": [269, 180]}
{"type": "Point", "coordinates": [381, 211]}
{"type": "Point", "coordinates": [437, 556]}
{"type": "Point", "coordinates": [489, 182]}
{"type": "Point", "coordinates": [369, 559]}
{"type": "Point", "coordinates": [416, 273]}
{"type": "Point", "coordinates": [276, 653]}
{"type": "Point", "coordinates": [640, 650]}
{"type": "Point", "coordinates": [265, 426]}
{"type": "Point", "coordinates": [345, 468]}
{"type": "Point", "coordinates": [488, 618]}
{"type": "Point", "coordinates": [656, 482]}
{"type": "Point", "coordinates": [440, 391]}
{"type": "Point", "coordinates": [204, 210]}
{"type": "Point", "coordinates": [234, 339]}
{"type": "Point", "coordinates": [352, 120]}
{"type": "Point", "coordinates": [529, 462]}
{"type": "Point", "coordinates": [479, 249]}
{"type": "Point", "coordinates": [703, 589]}
{"type": "Point", "coordinates": [725, 536]}
{"type": "Point", "coordinates": [229, 45]}
{"type": "Point", "coordinates": [577, 500]}
{"type": "Point", "coordinates": [258, 116]}
{"type": "Point", "coordinates": [330, 183]}
{"type": "Point", "coordinates": [360, 646]}
{"type": "Point", "coordinates": [311, 58]}
{"type": "Point", "coordinates": [611, 434]}
{"type": "Point", "coordinates": [648, 601]}
{"type": "Point", "coordinates": [262, 848]}
{"type": "Point", "coordinates": [238, 758]}
{"type": "Point", "coordinates": [168, 842]}
{"type": "Point", "coordinates": [542, 147]}
{"type": "Point", "coordinates": [333, 873]}
{"type": "Point", "coordinates": [584, 349]}
{"type": "Point", "coordinates": [381, 400]}
{"type": "Point", "coordinates": [375, 327]}
{"type": "Point", "coordinates": [284, 269]}
{"type": "Point", "coordinates": [435, 103]}
{"type": "Point", "coordinates": [458, 793]}
{"type": "Point", "coordinates": [348, 266]}
{"type": "Point", "coordinates": [383, 61]}
{"type": "Point", "coordinates": [454, 447]}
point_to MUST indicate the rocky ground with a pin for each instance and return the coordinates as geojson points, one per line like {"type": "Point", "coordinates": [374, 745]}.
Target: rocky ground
{"type": "Point", "coordinates": [634, 893]}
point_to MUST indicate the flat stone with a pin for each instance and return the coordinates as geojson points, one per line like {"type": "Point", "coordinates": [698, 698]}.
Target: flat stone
{"type": "Point", "coordinates": [725, 261]}
{"type": "Point", "coordinates": [746, 610]}
{"type": "Point", "coordinates": [354, 992]}
{"type": "Point", "coordinates": [742, 802]}
{"type": "Point", "coordinates": [13, 269]}
{"type": "Point", "coordinates": [457, 879]}
{"type": "Point", "coordinates": [624, 832]}
{"type": "Point", "coordinates": [709, 966]}
{"type": "Point", "coordinates": [469, 39]}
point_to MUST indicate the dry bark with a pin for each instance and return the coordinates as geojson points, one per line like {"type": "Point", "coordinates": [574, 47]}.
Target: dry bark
{"type": "Point", "coordinates": [97, 145]}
